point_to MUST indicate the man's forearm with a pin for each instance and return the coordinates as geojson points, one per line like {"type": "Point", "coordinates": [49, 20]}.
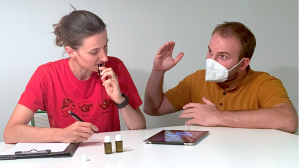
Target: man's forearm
{"type": "Point", "coordinates": [280, 118]}
{"type": "Point", "coordinates": [153, 93]}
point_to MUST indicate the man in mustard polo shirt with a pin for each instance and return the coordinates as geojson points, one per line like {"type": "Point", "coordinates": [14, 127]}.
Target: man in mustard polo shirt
{"type": "Point", "coordinates": [228, 93]}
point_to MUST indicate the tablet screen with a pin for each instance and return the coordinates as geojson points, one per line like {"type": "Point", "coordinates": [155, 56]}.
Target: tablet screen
{"type": "Point", "coordinates": [176, 136]}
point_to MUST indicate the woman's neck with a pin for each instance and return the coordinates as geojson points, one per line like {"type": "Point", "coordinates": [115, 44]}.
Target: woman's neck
{"type": "Point", "coordinates": [79, 72]}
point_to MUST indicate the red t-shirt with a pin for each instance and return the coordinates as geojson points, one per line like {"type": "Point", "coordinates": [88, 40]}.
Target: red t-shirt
{"type": "Point", "coordinates": [55, 89]}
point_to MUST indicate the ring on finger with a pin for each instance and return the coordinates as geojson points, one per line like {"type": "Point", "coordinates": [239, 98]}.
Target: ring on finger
{"type": "Point", "coordinates": [114, 75]}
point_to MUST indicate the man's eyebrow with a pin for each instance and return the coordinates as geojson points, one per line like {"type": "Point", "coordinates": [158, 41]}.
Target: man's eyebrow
{"type": "Point", "coordinates": [223, 53]}
{"type": "Point", "coordinates": [220, 52]}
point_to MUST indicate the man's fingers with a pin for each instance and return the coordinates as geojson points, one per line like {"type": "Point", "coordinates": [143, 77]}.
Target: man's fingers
{"type": "Point", "coordinates": [166, 46]}
{"type": "Point", "coordinates": [189, 110]}
{"type": "Point", "coordinates": [187, 115]}
{"type": "Point", "coordinates": [208, 102]}
{"type": "Point", "coordinates": [171, 46]}
{"type": "Point", "coordinates": [192, 121]}
{"type": "Point", "coordinates": [178, 57]}
{"type": "Point", "coordinates": [189, 105]}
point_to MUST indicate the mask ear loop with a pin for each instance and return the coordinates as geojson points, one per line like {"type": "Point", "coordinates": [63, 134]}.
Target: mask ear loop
{"type": "Point", "coordinates": [233, 68]}
{"type": "Point", "coordinates": [236, 65]}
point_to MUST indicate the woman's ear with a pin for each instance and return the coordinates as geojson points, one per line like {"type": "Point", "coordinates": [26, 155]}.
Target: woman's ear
{"type": "Point", "coordinates": [70, 51]}
{"type": "Point", "coordinates": [244, 63]}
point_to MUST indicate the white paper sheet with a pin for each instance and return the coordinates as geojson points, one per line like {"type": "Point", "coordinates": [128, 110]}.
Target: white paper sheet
{"type": "Point", "coordinates": [54, 147]}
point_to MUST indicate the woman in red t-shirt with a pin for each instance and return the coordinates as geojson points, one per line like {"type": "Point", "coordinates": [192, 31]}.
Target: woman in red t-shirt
{"type": "Point", "coordinates": [89, 83]}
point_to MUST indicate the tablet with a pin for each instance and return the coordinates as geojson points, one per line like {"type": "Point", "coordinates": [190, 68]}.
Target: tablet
{"type": "Point", "coordinates": [176, 137]}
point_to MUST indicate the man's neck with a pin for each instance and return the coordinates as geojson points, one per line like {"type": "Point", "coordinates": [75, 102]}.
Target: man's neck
{"type": "Point", "coordinates": [227, 85]}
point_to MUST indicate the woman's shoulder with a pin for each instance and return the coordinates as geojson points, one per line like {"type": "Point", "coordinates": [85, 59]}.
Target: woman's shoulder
{"type": "Point", "coordinates": [115, 63]}
{"type": "Point", "coordinates": [113, 60]}
{"type": "Point", "coordinates": [54, 64]}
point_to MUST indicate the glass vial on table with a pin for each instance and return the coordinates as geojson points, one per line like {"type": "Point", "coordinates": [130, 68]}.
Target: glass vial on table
{"type": "Point", "coordinates": [107, 145]}
{"type": "Point", "coordinates": [118, 143]}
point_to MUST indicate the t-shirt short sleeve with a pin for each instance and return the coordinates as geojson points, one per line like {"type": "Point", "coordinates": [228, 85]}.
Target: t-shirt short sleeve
{"type": "Point", "coordinates": [272, 92]}
{"type": "Point", "coordinates": [180, 95]}
{"type": "Point", "coordinates": [127, 86]}
{"type": "Point", "coordinates": [34, 95]}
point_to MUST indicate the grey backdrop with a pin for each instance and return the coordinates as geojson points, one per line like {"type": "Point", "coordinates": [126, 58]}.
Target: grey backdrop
{"type": "Point", "coordinates": [136, 29]}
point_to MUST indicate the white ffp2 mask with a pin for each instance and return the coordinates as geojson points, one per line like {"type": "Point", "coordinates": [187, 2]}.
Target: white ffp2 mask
{"type": "Point", "coordinates": [216, 72]}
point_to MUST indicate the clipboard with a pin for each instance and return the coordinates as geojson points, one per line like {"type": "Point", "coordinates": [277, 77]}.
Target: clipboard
{"type": "Point", "coordinates": [68, 152]}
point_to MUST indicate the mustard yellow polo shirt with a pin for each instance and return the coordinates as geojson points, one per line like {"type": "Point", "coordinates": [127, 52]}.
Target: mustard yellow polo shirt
{"type": "Point", "coordinates": [256, 91]}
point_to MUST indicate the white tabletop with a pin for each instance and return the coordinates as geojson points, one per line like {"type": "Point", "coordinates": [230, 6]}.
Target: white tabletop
{"type": "Point", "coordinates": [222, 147]}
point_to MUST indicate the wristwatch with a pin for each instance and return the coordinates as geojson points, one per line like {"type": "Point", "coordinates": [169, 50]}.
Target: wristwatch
{"type": "Point", "coordinates": [123, 104]}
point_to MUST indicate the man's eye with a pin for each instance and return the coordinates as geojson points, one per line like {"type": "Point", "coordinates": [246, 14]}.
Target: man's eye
{"type": "Point", "coordinates": [223, 56]}
{"type": "Point", "coordinates": [94, 53]}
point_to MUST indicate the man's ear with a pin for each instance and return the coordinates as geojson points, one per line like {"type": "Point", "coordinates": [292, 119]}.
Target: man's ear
{"type": "Point", "coordinates": [70, 51]}
{"type": "Point", "coordinates": [244, 64]}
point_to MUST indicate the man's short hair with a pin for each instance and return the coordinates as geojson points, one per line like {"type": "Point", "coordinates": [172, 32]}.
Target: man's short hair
{"type": "Point", "coordinates": [241, 32]}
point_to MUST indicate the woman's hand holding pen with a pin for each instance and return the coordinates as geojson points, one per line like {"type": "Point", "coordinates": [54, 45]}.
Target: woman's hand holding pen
{"type": "Point", "coordinates": [77, 132]}
{"type": "Point", "coordinates": [110, 82]}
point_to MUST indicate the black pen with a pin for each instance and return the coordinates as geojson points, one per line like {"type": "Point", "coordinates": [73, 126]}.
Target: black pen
{"type": "Point", "coordinates": [77, 118]}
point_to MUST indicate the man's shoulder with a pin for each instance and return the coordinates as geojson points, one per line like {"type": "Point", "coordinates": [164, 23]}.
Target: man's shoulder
{"type": "Point", "coordinates": [195, 77]}
{"type": "Point", "coordinates": [261, 76]}
{"type": "Point", "coordinates": [258, 78]}
{"type": "Point", "coordinates": [199, 73]}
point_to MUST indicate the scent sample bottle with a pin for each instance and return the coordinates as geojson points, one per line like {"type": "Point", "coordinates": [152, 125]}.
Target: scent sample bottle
{"type": "Point", "coordinates": [107, 145]}
{"type": "Point", "coordinates": [118, 143]}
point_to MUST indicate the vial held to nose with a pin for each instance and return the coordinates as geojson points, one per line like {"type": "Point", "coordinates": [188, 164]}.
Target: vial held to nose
{"type": "Point", "coordinates": [118, 143]}
{"type": "Point", "coordinates": [107, 145]}
{"type": "Point", "coordinates": [99, 71]}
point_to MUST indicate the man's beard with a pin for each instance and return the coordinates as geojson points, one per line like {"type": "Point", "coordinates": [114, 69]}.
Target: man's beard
{"type": "Point", "coordinates": [233, 75]}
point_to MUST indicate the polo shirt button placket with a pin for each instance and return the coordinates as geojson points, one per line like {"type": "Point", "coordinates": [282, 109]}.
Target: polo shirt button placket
{"type": "Point", "coordinates": [224, 93]}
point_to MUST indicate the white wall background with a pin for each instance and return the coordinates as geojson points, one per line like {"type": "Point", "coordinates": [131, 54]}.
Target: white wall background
{"type": "Point", "coordinates": [136, 29]}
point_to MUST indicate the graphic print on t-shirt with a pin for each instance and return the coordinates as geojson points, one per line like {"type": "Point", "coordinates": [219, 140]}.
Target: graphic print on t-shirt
{"type": "Point", "coordinates": [105, 104]}
{"type": "Point", "coordinates": [67, 105]}
{"type": "Point", "coordinates": [85, 106]}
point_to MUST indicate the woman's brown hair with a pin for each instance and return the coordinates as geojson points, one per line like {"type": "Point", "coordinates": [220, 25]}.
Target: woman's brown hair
{"type": "Point", "coordinates": [76, 26]}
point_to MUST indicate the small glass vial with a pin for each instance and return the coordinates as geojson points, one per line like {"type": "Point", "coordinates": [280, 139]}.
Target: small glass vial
{"type": "Point", "coordinates": [107, 145]}
{"type": "Point", "coordinates": [118, 143]}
